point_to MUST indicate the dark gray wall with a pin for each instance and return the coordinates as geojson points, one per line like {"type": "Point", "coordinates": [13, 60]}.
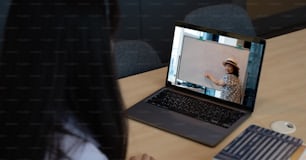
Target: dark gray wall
{"type": "Point", "coordinates": [153, 21]}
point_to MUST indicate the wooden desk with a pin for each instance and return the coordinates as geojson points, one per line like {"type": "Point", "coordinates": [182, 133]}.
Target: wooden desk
{"type": "Point", "coordinates": [281, 96]}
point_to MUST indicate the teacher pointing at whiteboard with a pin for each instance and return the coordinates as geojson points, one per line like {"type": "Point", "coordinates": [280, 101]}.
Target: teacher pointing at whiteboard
{"type": "Point", "coordinates": [230, 83]}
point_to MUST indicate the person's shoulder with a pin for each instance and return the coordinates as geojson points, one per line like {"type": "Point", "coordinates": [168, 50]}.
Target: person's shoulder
{"type": "Point", "coordinates": [231, 76]}
{"type": "Point", "coordinates": [76, 143]}
{"type": "Point", "coordinates": [226, 75]}
{"type": "Point", "coordinates": [79, 149]}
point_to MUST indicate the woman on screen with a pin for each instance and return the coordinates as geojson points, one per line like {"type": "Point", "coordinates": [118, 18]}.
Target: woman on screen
{"type": "Point", "coordinates": [231, 88]}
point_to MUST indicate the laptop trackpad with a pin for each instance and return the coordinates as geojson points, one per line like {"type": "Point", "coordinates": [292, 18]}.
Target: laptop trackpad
{"type": "Point", "coordinates": [178, 124]}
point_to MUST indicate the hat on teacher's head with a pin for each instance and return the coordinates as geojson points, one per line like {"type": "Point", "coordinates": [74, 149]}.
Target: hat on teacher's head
{"type": "Point", "coordinates": [231, 61]}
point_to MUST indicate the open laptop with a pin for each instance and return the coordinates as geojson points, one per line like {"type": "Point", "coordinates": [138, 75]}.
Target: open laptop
{"type": "Point", "coordinates": [190, 104]}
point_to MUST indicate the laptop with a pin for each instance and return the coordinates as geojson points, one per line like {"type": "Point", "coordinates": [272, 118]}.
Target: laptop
{"type": "Point", "coordinates": [193, 106]}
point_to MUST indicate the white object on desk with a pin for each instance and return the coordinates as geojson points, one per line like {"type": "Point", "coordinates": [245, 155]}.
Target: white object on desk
{"type": "Point", "coordinates": [284, 127]}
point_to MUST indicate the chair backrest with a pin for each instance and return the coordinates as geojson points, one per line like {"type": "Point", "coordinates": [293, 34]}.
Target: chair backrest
{"type": "Point", "coordinates": [134, 56]}
{"type": "Point", "coordinates": [227, 17]}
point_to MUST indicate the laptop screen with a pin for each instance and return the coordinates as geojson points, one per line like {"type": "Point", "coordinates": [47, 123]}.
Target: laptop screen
{"type": "Point", "coordinates": [217, 64]}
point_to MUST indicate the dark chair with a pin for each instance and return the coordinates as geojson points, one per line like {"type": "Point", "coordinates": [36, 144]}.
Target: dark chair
{"type": "Point", "coordinates": [134, 56]}
{"type": "Point", "coordinates": [226, 17]}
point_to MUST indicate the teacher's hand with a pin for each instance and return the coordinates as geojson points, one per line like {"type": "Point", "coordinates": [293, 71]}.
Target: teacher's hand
{"type": "Point", "coordinates": [207, 75]}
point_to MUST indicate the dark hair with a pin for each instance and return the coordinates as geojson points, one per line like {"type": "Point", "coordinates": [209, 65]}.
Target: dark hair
{"type": "Point", "coordinates": [55, 62]}
{"type": "Point", "coordinates": [235, 71]}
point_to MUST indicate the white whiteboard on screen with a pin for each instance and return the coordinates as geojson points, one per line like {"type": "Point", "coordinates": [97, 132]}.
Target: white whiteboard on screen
{"type": "Point", "coordinates": [199, 57]}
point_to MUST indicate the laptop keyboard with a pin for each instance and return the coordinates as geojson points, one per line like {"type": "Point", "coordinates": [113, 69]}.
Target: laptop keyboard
{"type": "Point", "coordinates": [201, 110]}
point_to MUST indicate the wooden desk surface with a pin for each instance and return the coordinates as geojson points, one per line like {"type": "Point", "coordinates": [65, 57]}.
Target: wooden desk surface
{"type": "Point", "coordinates": [281, 96]}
